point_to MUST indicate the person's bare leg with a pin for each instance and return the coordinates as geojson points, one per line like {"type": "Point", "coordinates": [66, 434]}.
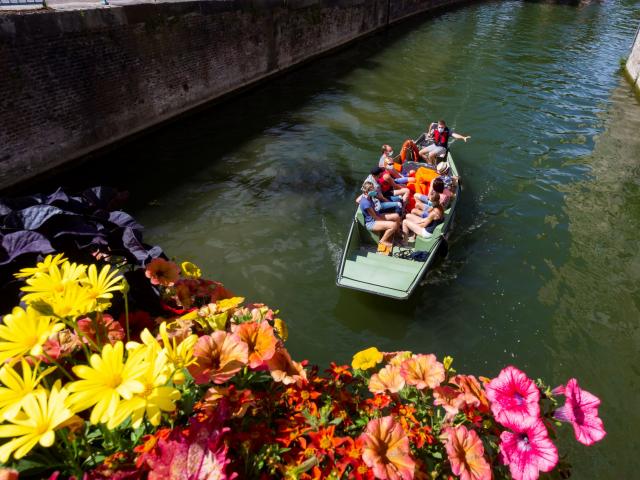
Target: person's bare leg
{"type": "Point", "coordinates": [392, 217]}
{"type": "Point", "coordinates": [414, 227]}
{"type": "Point", "coordinates": [389, 229]}
{"type": "Point", "coordinates": [432, 157]}
{"type": "Point", "coordinates": [405, 229]}
{"type": "Point", "coordinates": [413, 218]}
{"type": "Point", "coordinates": [386, 237]}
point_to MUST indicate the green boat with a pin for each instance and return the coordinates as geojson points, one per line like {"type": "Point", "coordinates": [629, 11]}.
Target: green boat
{"type": "Point", "coordinates": [395, 276]}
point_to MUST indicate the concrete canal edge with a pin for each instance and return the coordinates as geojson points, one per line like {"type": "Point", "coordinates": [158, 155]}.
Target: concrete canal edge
{"type": "Point", "coordinates": [77, 81]}
{"type": "Point", "coordinates": [632, 67]}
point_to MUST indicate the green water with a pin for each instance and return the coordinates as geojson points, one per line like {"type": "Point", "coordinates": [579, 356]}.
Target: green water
{"type": "Point", "coordinates": [543, 270]}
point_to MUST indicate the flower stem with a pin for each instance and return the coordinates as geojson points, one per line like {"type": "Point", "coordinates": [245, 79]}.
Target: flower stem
{"type": "Point", "coordinates": [60, 367]}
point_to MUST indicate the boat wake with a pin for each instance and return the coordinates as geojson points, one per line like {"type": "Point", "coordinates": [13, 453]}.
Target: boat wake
{"type": "Point", "coordinates": [335, 250]}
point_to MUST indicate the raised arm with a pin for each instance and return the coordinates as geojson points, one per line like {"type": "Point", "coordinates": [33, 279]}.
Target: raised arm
{"type": "Point", "coordinates": [460, 137]}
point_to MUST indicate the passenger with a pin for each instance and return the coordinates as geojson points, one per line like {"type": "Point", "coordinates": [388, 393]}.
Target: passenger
{"type": "Point", "coordinates": [450, 182]}
{"type": "Point", "coordinates": [386, 224]}
{"type": "Point", "coordinates": [440, 134]}
{"type": "Point", "coordinates": [395, 175]}
{"type": "Point", "coordinates": [423, 203]}
{"type": "Point", "coordinates": [387, 152]}
{"type": "Point", "coordinates": [381, 203]}
{"type": "Point", "coordinates": [424, 226]}
{"type": "Point", "coordinates": [388, 188]}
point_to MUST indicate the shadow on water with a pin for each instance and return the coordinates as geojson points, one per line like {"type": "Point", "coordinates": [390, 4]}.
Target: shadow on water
{"type": "Point", "coordinates": [150, 163]}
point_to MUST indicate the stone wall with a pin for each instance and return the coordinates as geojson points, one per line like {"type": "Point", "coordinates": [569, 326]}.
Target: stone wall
{"type": "Point", "coordinates": [76, 81]}
{"type": "Point", "coordinates": [633, 62]}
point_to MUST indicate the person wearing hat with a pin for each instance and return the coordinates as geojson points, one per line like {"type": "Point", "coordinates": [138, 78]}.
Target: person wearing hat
{"type": "Point", "coordinates": [440, 134]}
{"type": "Point", "coordinates": [444, 172]}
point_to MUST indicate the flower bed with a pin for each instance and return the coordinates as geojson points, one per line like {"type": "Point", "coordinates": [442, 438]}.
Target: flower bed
{"type": "Point", "coordinates": [201, 386]}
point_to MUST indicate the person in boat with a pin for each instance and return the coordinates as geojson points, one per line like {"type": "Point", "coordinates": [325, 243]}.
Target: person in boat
{"type": "Point", "coordinates": [444, 172]}
{"type": "Point", "coordinates": [388, 188]}
{"type": "Point", "coordinates": [387, 152]}
{"type": "Point", "coordinates": [385, 224]}
{"type": "Point", "coordinates": [440, 134]}
{"type": "Point", "coordinates": [424, 227]}
{"type": "Point", "coordinates": [423, 203]}
{"type": "Point", "coordinates": [396, 175]}
{"type": "Point", "coordinates": [382, 204]}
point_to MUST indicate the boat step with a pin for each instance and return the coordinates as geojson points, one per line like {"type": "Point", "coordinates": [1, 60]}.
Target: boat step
{"type": "Point", "coordinates": [377, 276]}
{"type": "Point", "coordinates": [377, 290]}
{"type": "Point", "coordinates": [381, 261]}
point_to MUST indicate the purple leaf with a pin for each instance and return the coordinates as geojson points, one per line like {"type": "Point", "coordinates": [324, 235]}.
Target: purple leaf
{"type": "Point", "coordinates": [124, 220]}
{"type": "Point", "coordinates": [20, 243]}
{"type": "Point", "coordinates": [32, 218]}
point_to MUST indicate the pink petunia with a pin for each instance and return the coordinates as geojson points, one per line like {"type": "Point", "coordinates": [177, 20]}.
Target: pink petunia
{"type": "Point", "coordinates": [514, 397]}
{"type": "Point", "coordinates": [528, 450]}
{"type": "Point", "coordinates": [581, 410]}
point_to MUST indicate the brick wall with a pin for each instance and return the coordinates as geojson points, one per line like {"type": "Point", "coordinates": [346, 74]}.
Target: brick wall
{"type": "Point", "coordinates": [75, 81]}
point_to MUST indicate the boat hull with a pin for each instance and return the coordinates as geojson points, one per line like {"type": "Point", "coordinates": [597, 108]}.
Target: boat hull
{"type": "Point", "coordinates": [362, 269]}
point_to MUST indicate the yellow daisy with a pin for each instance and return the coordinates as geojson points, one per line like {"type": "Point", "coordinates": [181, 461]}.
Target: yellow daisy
{"type": "Point", "coordinates": [73, 302]}
{"type": "Point", "coordinates": [43, 412]}
{"type": "Point", "coordinates": [45, 285]}
{"type": "Point", "coordinates": [157, 396]}
{"type": "Point", "coordinates": [23, 332]}
{"type": "Point", "coordinates": [101, 285]}
{"type": "Point", "coordinates": [106, 381]}
{"type": "Point", "coordinates": [17, 387]}
{"type": "Point", "coordinates": [41, 267]}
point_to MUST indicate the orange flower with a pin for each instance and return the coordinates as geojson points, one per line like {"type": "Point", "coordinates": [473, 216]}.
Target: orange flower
{"type": "Point", "coordinates": [466, 454]}
{"type": "Point", "coordinates": [219, 357]}
{"type": "Point", "coordinates": [423, 371]}
{"type": "Point", "coordinates": [447, 398]}
{"type": "Point", "coordinates": [162, 272]}
{"type": "Point", "coordinates": [238, 401]}
{"type": "Point", "coordinates": [396, 358]}
{"type": "Point", "coordinates": [324, 440]}
{"type": "Point", "coordinates": [389, 378]}
{"type": "Point", "coordinates": [285, 370]}
{"type": "Point", "coordinates": [472, 388]}
{"type": "Point", "coordinates": [260, 339]}
{"type": "Point", "coordinates": [386, 450]}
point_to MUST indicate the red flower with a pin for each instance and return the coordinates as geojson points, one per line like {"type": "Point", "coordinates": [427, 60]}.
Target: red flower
{"type": "Point", "coordinates": [162, 272]}
{"type": "Point", "coordinates": [101, 330]}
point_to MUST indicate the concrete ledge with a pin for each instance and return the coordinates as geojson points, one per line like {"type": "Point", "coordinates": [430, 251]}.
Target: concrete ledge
{"type": "Point", "coordinates": [632, 66]}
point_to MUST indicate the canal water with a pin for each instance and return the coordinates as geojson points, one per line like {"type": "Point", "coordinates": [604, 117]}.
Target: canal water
{"type": "Point", "coordinates": [543, 270]}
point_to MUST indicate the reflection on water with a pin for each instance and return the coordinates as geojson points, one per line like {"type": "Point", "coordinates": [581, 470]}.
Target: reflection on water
{"type": "Point", "coordinates": [595, 293]}
{"type": "Point", "coordinates": [543, 268]}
